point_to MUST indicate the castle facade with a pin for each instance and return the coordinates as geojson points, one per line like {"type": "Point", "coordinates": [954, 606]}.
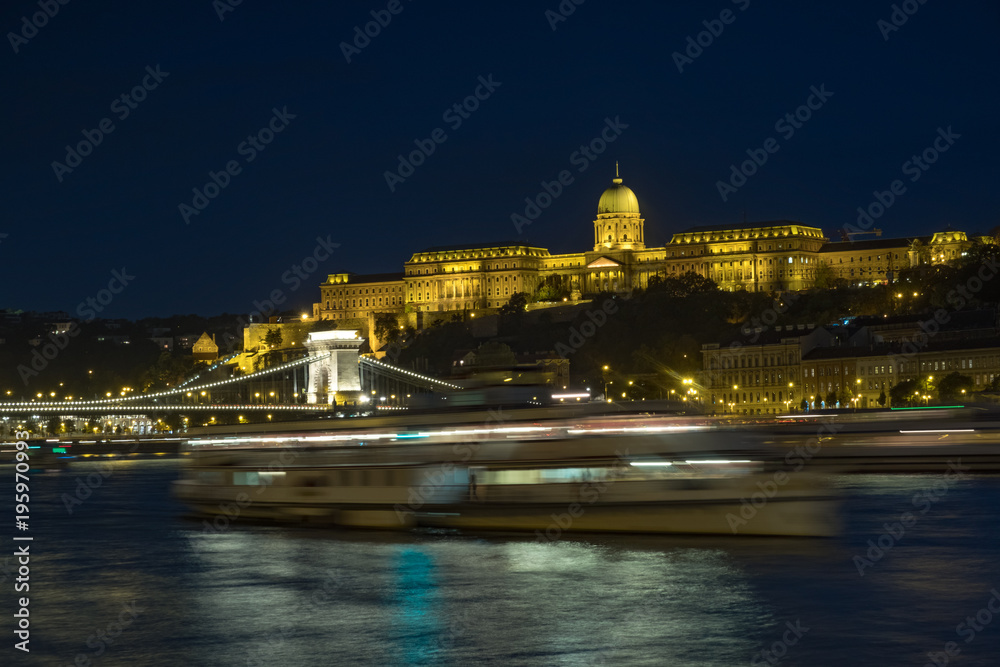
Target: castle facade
{"type": "Point", "coordinates": [772, 256]}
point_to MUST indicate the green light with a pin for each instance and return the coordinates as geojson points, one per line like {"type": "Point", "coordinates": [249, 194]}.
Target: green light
{"type": "Point", "coordinates": [930, 407]}
{"type": "Point", "coordinates": [58, 450]}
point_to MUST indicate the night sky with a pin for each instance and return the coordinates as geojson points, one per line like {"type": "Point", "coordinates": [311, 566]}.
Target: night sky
{"type": "Point", "coordinates": [323, 175]}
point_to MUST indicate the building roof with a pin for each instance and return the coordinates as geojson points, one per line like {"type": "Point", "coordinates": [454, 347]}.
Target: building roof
{"type": "Point", "coordinates": [618, 199]}
{"type": "Point", "coordinates": [746, 225]}
{"type": "Point", "coordinates": [770, 337]}
{"type": "Point", "coordinates": [901, 349]}
{"type": "Point", "coordinates": [481, 246]}
{"type": "Point", "coordinates": [374, 278]}
{"type": "Point", "coordinates": [980, 318]}
{"type": "Point", "coordinates": [870, 244]}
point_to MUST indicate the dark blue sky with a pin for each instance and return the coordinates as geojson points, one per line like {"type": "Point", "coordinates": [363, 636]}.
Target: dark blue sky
{"type": "Point", "coordinates": [323, 175]}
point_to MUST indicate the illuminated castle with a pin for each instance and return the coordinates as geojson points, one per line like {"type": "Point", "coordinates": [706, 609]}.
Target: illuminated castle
{"type": "Point", "coordinates": [774, 256]}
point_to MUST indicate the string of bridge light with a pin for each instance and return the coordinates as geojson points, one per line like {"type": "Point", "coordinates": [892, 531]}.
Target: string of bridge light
{"type": "Point", "coordinates": [211, 368]}
{"type": "Point", "coordinates": [80, 407]}
{"type": "Point", "coordinates": [179, 390]}
{"type": "Point", "coordinates": [172, 392]}
{"type": "Point", "coordinates": [416, 375]}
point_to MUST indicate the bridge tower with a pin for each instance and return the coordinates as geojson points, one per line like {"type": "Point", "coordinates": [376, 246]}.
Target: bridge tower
{"type": "Point", "coordinates": [335, 377]}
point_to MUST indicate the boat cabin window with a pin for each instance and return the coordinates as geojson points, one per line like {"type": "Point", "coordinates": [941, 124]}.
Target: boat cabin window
{"type": "Point", "coordinates": [246, 478]}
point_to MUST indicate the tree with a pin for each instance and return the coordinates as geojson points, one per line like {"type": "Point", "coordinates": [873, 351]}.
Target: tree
{"type": "Point", "coordinates": [273, 338]}
{"type": "Point", "coordinates": [551, 289]}
{"type": "Point", "coordinates": [804, 405]}
{"type": "Point", "coordinates": [516, 305]}
{"type": "Point", "coordinates": [681, 286]}
{"type": "Point", "coordinates": [831, 399]}
{"type": "Point", "coordinates": [824, 276]}
{"type": "Point", "coordinates": [881, 399]}
{"type": "Point", "coordinates": [951, 386]}
{"type": "Point", "coordinates": [902, 392]}
{"type": "Point", "coordinates": [495, 354]}
{"type": "Point", "coordinates": [386, 328]}
{"type": "Point", "coordinates": [53, 425]}
{"type": "Point", "coordinates": [173, 421]}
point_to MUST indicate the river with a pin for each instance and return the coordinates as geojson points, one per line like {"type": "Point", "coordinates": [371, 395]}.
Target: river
{"type": "Point", "coordinates": [126, 562]}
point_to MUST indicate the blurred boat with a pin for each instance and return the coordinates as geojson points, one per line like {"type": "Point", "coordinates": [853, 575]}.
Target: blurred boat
{"type": "Point", "coordinates": [579, 472]}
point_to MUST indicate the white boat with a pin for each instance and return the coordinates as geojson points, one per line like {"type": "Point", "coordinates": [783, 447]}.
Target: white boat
{"type": "Point", "coordinates": [618, 473]}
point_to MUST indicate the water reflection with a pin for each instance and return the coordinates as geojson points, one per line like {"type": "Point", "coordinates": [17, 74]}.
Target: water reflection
{"type": "Point", "coordinates": [255, 594]}
{"type": "Point", "coordinates": [417, 608]}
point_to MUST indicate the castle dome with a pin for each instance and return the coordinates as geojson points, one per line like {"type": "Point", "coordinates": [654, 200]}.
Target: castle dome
{"type": "Point", "coordinates": [618, 199]}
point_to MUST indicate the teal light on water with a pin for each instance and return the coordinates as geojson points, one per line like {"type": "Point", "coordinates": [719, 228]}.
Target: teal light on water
{"type": "Point", "coordinates": [417, 612]}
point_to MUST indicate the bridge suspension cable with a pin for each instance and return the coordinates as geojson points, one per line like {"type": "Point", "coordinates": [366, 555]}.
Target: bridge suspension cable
{"type": "Point", "coordinates": [172, 392]}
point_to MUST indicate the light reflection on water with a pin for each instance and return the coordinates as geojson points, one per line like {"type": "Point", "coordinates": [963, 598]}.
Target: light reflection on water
{"type": "Point", "coordinates": [293, 596]}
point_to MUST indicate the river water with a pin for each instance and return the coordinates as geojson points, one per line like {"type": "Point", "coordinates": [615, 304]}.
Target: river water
{"type": "Point", "coordinates": [126, 563]}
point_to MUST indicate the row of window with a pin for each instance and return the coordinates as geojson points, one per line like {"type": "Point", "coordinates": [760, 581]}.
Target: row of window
{"type": "Point", "coordinates": [756, 379]}
{"type": "Point", "coordinates": [463, 269]}
{"type": "Point", "coordinates": [966, 363]}
{"type": "Point", "coordinates": [366, 303]}
{"type": "Point", "coordinates": [878, 258]}
{"type": "Point", "coordinates": [750, 361]}
{"type": "Point", "coordinates": [363, 290]}
{"type": "Point", "coordinates": [752, 397]}
{"type": "Point", "coordinates": [979, 379]}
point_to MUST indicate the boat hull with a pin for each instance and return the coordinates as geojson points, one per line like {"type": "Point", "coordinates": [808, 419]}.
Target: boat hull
{"type": "Point", "coordinates": [798, 518]}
